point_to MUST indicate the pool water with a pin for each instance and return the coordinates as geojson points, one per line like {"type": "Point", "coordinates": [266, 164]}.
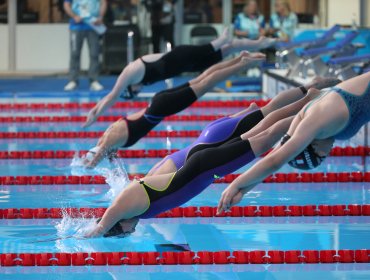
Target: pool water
{"type": "Point", "coordinates": [200, 234]}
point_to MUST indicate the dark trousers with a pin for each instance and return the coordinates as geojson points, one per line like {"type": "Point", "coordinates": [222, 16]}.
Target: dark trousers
{"type": "Point", "coordinates": [164, 31]}
{"type": "Point", "coordinates": [76, 42]}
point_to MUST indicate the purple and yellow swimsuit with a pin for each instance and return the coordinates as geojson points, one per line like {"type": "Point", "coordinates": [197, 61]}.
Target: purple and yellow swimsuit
{"type": "Point", "coordinates": [218, 151]}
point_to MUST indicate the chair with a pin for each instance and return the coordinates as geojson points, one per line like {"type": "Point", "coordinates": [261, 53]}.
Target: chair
{"type": "Point", "coordinates": [203, 34]}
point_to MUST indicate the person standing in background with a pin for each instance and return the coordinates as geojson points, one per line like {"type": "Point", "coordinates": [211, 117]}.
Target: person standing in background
{"type": "Point", "coordinates": [86, 18]}
{"type": "Point", "coordinates": [249, 24]}
{"type": "Point", "coordinates": [162, 21]}
{"type": "Point", "coordinates": [283, 22]}
{"type": "Point", "coordinates": [3, 6]}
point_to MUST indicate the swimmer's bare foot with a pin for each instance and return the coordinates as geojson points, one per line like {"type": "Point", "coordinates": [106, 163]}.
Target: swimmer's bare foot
{"type": "Point", "coordinates": [248, 58]}
{"type": "Point", "coordinates": [264, 42]}
{"type": "Point", "coordinates": [252, 45]}
{"type": "Point", "coordinates": [321, 83]}
{"type": "Point", "coordinates": [222, 40]}
{"type": "Point", "coordinates": [226, 36]}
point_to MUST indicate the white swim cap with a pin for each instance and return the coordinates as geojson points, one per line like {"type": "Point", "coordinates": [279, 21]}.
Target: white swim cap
{"type": "Point", "coordinates": [91, 153]}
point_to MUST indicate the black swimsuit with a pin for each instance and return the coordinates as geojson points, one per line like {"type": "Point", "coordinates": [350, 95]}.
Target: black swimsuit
{"type": "Point", "coordinates": [164, 103]}
{"type": "Point", "coordinates": [181, 59]}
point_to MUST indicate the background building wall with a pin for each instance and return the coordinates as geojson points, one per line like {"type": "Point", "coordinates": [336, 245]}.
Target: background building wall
{"type": "Point", "coordinates": [45, 47]}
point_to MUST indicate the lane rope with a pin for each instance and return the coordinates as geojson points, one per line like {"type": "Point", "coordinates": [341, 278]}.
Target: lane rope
{"type": "Point", "coordinates": [319, 177]}
{"type": "Point", "coordinates": [92, 134]}
{"type": "Point", "coordinates": [148, 153]}
{"type": "Point", "coordinates": [198, 211]}
{"type": "Point", "coordinates": [186, 258]}
{"type": "Point", "coordinates": [127, 104]}
{"type": "Point", "coordinates": [77, 119]}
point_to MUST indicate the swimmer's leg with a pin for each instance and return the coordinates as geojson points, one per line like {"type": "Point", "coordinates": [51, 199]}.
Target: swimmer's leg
{"type": "Point", "coordinates": [202, 165]}
{"type": "Point", "coordinates": [214, 68]}
{"type": "Point", "coordinates": [198, 173]}
{"type": "Point", "coordinates": [266, 139]}
{"type": "Point", "coordinates": [209, 81]}
{"type": "Point", "coordinates": [252, 107]}
{"type": "Point", "coordinates": [237, 45]}
{"type": "Point", "coordinates": [214, 134]}
{"type": "Point", "coordinates": [273, 116]}
{"type": "Point", "coordinates": [294, 94]}
{"type": "Point", "coordinates": [167, 103]}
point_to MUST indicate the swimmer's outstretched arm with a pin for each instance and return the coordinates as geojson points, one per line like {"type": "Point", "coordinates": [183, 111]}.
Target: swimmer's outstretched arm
{"type": "Point", "coordinates": [131, 74]}
{"type": "Point", "coordinates": [130, 203]}
{"type": "Point", "coordinates": [306, 131]}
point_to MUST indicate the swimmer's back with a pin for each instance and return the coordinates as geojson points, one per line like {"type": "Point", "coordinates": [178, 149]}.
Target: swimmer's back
{"type": "Point", "coordinates": [328, 111]}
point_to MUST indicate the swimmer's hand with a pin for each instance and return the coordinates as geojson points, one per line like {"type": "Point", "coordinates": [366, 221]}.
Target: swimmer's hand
{"type": "Point", "coordinates": [230, 196]}
{"type": "Point", "coordinates": [91, 117]}
{"type": "Point", "coordinates": [100, 108]}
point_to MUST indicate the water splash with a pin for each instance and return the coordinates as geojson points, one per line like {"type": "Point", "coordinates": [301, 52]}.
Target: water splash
{"type": "Point", "coordinates": [74, 227]}
{"type": "Point", "coordinates": [77, 166]}
{"type": "Point", "coordinates": [112, 170]}
{"type": "Point", "coordinates": [71, 233]}
{"type": "Point", "coordinates": [115, 176]}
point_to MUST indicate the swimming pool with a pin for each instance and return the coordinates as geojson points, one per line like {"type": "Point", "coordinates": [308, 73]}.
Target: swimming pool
{"type": "Point", "coordinates": [268, 232]}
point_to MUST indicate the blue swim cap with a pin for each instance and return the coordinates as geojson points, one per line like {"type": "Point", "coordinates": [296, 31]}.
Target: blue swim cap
{"type": "Point", "coordinates": [307, 159]}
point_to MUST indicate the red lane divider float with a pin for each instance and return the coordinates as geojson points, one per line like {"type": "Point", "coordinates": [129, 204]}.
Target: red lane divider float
{"type": "Point", "coordinates": [159, 153]}
{"type": "Point", "coordinates": [186, 258]}
{"type": "Point", "coordinates": [151, 153]}
{"type": "Point", "coordinates": [319, 177]}
{"type": "Point", "coordinates": [201, 211]}
{"type": "Point", "coordinates": [91, 134]}
{"type": "Point", "coordinates": [127, 104]}
{"type": "Point", "coordinates": [41, 119]}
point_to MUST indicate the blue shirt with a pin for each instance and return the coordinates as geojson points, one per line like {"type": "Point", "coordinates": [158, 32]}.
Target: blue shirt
{"type": "Point", "coordinates": [286, 25]}
{"type": "Point", "coordinates": [86, 9]}
{"type": "Point", "coordinates": [250, 24]}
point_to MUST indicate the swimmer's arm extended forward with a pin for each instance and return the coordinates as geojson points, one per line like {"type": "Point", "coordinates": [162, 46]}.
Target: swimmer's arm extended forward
{"type": "Point", "coordinates": [304, 134]}
{"type": "Point", "coordinates": [123, 81]}
{"type": "Point", "coordinates": [99, 108]}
